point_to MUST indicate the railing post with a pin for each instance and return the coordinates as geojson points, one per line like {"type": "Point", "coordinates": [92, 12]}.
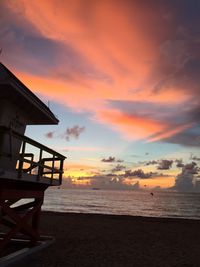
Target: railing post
{"type": "Point", "coordinates": [31, 164]}
{"type": "Point", "coordinates": [61, 170]}
{"type": "Point", "coordinates": [52, 171]}
{"type": "Point", "coordinates": [21, 160]}
{"type": "Point", "coordinates": [40, 168]}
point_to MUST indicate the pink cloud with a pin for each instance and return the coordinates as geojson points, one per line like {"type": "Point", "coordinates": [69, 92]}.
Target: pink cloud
{"type": "Point", "coordinates": [125, 48]}
{"type": "Point", "coordinates": [134, 127]}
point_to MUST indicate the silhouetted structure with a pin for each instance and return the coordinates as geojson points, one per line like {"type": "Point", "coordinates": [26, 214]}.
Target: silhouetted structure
{"type": "Point", "coordinates": [23, 175]}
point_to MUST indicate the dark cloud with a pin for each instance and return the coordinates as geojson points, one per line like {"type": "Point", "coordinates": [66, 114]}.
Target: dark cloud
{"type": "Point", "coordinates": [152, 162]}
{"type": "Point", "coordinates": [119, 160]}
{"type": "Point", "coordinates": [191, 168]}
{"type": "Point", "coordinates": [118, 168]}
{"type": "Point", "coordinates": [165, 164]}
{"type": "Point", "coordinates": [50, 135]}
{"type": "Point", "coordinates": [189, 115]}
{"type": "Point", "coordinates": [179, 163]}
{"type": "Point", "coordinates": [139, 173]}
{"type": "Point", "coordinates": [73, 132]}
{"type": "Point", "coordinates": [193, 157]}
{"type": "Point", "coordinates": [109, 159]}
{"type": "Point", "coordinates": [113, 175]}
{"type": "Point", "coordinates": [112, 159]}
{"type": "Point", "coordinates": [185, 138]}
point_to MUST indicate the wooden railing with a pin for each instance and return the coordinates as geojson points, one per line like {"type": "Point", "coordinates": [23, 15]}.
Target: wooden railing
{"type": "Point", "coordinates": [50, 167]}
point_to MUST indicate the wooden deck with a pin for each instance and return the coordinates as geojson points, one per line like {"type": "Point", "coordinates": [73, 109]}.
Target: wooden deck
{"type": "Point", "coordinates": [45, 166]}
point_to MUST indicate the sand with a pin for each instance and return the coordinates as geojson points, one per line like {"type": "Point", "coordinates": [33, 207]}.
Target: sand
{"type": "Point", "coordinates": [107, 240]}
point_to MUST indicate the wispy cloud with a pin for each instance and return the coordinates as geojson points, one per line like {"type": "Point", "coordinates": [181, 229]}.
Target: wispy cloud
{"type": "Point", "coordinates": [76, 57]}
{"type": "Point", "coordinates": [140, 174]}
{"type": "Point", "coordinates": [118, 168]}
{"type": "Point", "coordinates": [165, 164]}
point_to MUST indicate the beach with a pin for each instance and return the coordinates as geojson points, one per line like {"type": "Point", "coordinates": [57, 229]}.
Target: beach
{"type": "Point", "coordinates": [114, 240]}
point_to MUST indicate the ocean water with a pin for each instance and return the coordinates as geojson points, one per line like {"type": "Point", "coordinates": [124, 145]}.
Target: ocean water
{"type": "Point", "coordinates": [135, 203]}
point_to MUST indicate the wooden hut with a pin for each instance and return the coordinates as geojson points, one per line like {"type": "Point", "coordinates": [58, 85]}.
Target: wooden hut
{"type": "Point", "coordinates": [27, 168]}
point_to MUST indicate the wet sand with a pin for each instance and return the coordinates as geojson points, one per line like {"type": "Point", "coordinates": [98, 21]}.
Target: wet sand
{"type": "Point", "coordinates": [107, 240]}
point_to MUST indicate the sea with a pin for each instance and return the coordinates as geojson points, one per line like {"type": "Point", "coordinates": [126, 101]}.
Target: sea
{"type": "Point", "coordinates": [166, 204]}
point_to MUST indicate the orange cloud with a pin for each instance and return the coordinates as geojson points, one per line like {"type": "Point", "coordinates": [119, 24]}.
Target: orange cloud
{"type": "Point", "coordinates": [120, 43]}
{"type": "Point", "coordinates": [172, 130]}
{"type": "Point", "coordinates": [113, 40]}
{"type": "Point", "coordinates": [135, 127]}
{"type": "Point", "coordinates": [131, 126]}
{"type": "Point", "coordinates": [79, 99]}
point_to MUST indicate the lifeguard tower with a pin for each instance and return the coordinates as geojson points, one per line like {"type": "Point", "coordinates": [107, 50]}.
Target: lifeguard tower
{"type": "Point", "coordinates": [27, 168]}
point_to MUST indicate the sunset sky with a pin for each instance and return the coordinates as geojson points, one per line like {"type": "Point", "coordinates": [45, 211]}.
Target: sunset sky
{"type": "Point", "coordinates": [122, 76]}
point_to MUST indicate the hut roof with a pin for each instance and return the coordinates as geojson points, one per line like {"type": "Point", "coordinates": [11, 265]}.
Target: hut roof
{"type": "Point", "coordinates": [11, 87]}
